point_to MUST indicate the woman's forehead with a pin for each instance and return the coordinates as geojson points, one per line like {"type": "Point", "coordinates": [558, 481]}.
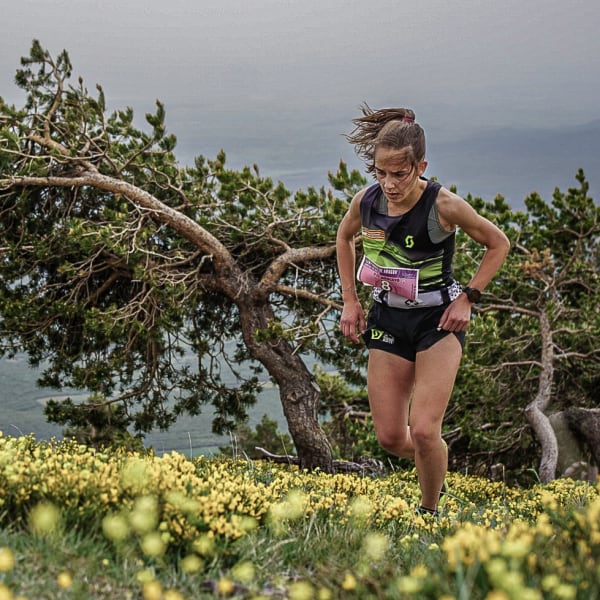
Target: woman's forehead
{"type": "Point", "coordinates": [400, 158]}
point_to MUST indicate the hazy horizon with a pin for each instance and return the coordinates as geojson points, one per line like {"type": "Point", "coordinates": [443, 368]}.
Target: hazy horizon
{"type": "Point", "coordinates": [277, 82]}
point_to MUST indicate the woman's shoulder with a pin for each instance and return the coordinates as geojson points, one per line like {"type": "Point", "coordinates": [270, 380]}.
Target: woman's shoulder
{"type": "Point", "coordinates": [450, 207]}
{"type": "Point", "coordinates": [448, 200]}
{"type": "Point", "coordinates": [370, 191]}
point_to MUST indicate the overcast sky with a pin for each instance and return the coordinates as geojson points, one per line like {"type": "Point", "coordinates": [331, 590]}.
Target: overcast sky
{"type": "Point", "coordinates": [275, 77]}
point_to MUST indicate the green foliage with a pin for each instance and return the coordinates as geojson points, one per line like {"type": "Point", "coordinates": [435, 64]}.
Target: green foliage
{"type": "Point", "coordinates": [245, 440]}
{"type": "Point", "coordinates": [96, 423]}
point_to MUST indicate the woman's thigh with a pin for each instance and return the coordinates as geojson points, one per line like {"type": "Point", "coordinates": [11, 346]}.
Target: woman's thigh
{"type": "Point", "coordinates": [435, 373]}
{"type": "Point", "coordinates": [390, 382]}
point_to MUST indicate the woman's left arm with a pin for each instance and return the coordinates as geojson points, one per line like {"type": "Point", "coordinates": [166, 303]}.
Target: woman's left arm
{"type": "Point", "coordinates": [457, 212]}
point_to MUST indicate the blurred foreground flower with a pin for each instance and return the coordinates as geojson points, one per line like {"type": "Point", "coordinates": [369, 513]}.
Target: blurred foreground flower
{"type": "Point", "coordinates": [361, 508]}
{"type": "Point", "coordinates": [64, 580]}
{"type": "Point", "coordinates": [301, 590]}
{"type": "Point", "coordinates": [375, 545]}
{"type": "Point", "coordinates": [153, 545]}
{"type": "Point", "coordinates": [44, 518]}
{"type": "Point", "coordinates": [144, 516]}
{"type": "Point", "coordinates": [5, 592]}
{"type": "Point", "coordinates": [243, 572]}
{"type": "Point", "coordinates": [7, 560]}
{"type": "Point", "coordinates": [349, 583]}
{"type": "Point", "coordinates": [115, 528]}
{"type": "Point", "coordinates": [192, 564]}
{"type": "Point", "coordinates": [152, 590]}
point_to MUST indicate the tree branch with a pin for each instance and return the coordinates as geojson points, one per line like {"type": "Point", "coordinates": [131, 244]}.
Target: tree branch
{"type": "Point", "coordinates": [296, 292]}
{"type": "Point", "coordinates": [184, 225]}
{"type": "Point", "coordinates": [510, 308]}
{"type": "Point", "coordinates": [295, 255]}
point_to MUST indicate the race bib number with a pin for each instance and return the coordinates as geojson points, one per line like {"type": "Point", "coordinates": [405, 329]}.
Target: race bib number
{"type": "Point", "coordinates": [404, 282]}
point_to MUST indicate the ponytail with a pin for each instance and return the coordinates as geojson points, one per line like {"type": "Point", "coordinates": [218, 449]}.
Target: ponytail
{"type": "Point", "coordinates": [390, 127]}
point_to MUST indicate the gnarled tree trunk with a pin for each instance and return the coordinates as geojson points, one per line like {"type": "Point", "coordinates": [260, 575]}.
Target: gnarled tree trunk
{"type": "Point", "coordinates": [535, 410]}
{"type": "Point", "coordinates": [298, 390]}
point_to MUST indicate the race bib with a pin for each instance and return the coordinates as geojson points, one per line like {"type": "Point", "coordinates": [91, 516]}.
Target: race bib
{"type": "Point", "coordinates": [404, 282]}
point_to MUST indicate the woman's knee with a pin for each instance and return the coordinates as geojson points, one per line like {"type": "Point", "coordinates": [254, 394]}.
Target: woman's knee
{"type": "Point", "coordinates": [396, 443]}
{"type": "Point", "coordinates": [425, 436]}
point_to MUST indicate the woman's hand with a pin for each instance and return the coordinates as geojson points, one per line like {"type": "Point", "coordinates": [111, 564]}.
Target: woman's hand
{"type": "Point", "coordinates": [457, 315]}
{"type": "Point", "coordinates": [352, 322]}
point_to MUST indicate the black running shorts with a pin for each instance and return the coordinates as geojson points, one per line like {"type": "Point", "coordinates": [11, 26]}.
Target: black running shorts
{"type": "Point", "coordinates": [405, 332]}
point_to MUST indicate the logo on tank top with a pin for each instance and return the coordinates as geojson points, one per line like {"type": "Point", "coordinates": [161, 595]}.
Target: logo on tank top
{"type": "Point", "coordinates": [409, 241]}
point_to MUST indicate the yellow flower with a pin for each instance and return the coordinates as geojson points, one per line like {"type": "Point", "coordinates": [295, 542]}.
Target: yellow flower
{"type": "Point", "coordinates": [115, 528]}
{"type": "Point", "coordinates": [153, 545]}
{"type": "Point", "coordinates": [243, 572]}
{"type": "Point", "coordinates": [375, 546]}
{"type": "Point", "coordinates": [225, 586]}
{"type": "Point", "coordinates": [205, 545]}
{"type": "Point", "coordinates": [182, 502]}
{"type": "Point", "coordinates": [301, 590]}
{"type": "Point", "coordinates": [192, 564]}
{"type": "Point", "coordinates": [5, 592]}
{"type": "Point", "coordinates": [144, 576]}
{"type": "Point", "coordinates": [543, 525]}
{"type": "Point", "coordinates": [64, 580]}
{"type": "Point", "coordinates": [144, 516]}
{"type": "Point", "coordinates": [349, 583]}
{"type": "Point", "coordinates": [7, 560]}
{"type": "Point", "coordinates": [517, 548]}
{"type": "Point", "coordinates": [408, 585]}
{"type": "Point", "coordinates": [419, 571]}
{"type": "Point", "coordinates": [277, 511]}
{"type": "Point", "coordinates": [565, 592]}
{"type": "Point", "coordinates": [152, 590]}
{"type": "Point", "coordinates": [295, 503]}
{"type": "Point", "coordinates": [360, 508]}
{"type": "Point", "coordinates": [44, 518]}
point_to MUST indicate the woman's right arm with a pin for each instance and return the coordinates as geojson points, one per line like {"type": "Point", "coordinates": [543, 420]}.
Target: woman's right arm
{"type": "Point", "coordinates": [352, 322]}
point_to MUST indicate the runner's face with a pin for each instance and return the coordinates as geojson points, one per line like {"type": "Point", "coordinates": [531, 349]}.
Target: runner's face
{"type": "Point", "coordinates": [397, 175]}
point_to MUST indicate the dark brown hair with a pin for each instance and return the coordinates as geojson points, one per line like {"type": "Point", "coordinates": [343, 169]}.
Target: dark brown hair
{"type": "Point", "coordinates": [390, 128]}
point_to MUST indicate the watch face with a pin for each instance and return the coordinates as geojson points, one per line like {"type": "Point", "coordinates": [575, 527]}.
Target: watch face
{"type": "Point", "coordinates": [473, 294]}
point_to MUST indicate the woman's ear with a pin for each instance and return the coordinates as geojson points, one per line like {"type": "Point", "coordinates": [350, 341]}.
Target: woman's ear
{"type": "Point", "coordinates": [422, 167]}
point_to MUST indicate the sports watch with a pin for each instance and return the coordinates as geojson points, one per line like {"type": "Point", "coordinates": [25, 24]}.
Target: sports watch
{"type": "Point", "coordinates": [473, 294]}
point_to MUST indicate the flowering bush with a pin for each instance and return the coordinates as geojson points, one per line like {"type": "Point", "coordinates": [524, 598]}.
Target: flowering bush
{"type": "Point", "coordinates": [328, 535]}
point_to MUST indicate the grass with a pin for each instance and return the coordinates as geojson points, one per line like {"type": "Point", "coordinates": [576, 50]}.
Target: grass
{"type": "Point", "coordinates": [80, 564]}
{"type": "Point", "coordinates": [78, 524]}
